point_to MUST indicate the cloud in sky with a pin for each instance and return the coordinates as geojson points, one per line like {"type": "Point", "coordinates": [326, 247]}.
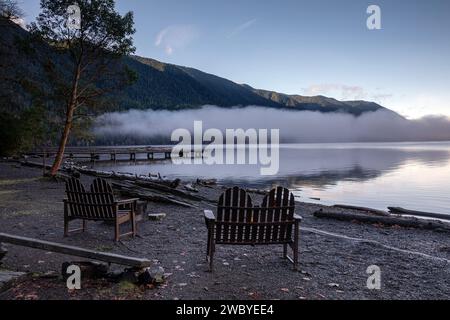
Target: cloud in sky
{"type": "Point", "coordinates": [344, 92]}
{"type": "Point", "coordinates": [347, 92]}
{"type": "Point", "coordinates": [241, 28]}
{"type": "Point", "coordinates": [176, 37]}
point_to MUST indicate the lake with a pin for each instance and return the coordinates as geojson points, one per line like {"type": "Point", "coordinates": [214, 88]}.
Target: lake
{"type": "Point", "coordinates": [415, 176]}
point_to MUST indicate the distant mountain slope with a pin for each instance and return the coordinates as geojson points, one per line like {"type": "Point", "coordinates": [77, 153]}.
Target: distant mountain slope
{"type": "Point", "coordinates": [318, 103]}
{"type": "Point", "coordinates": [167, 86]}
{"type": "Point", "coordinates": [170, 87]}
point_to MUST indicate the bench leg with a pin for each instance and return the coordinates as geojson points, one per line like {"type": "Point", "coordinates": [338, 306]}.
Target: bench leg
{"type": "Point", "coordinates": [133, 224]}
{"type": "Point", "coordinates": [295, 248]}
{"type": "Point", "coordinates": [66, 227]}
{"type": "Point", "coordinates": [66, 220]}
{"type": "Point", "coordinates": [285, 251]}
{"type": "Point", "coordinates": [117, 231]}
{"type": "Point", "coordinates": [208, 245]}
{"type": "Point", "coordinates": [212, 249]}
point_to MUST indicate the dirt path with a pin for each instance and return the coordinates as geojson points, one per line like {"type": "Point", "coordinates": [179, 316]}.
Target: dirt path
{"type": "Point", "coordinates": [334, 256]}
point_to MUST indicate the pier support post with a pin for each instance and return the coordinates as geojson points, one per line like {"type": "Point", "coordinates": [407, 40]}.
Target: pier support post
{"type": "Point", "coordinates": [167, 155]}
{"type": "Point", "coordinates": [113, 157]}
{"type": "Point", "coordinates": [150, 156]}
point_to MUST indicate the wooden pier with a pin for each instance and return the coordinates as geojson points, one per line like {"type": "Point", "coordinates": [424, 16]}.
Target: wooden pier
{"type": "Point", "coordinates": [113, 153]}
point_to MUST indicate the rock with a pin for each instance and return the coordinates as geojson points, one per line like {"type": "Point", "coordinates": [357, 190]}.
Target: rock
{"type": "Point", "coordinates": [156, 216]}
{"type": "Point", "coordinates": [333, 285]}
{"type": "Point", "coordinates": [153, 275]}
{"type": "Point", "coordinates": [130, 275]}
{"type": "Point", "coordinates": [307, 279]}
{"type": "Point", "coordinates": [89, 270]}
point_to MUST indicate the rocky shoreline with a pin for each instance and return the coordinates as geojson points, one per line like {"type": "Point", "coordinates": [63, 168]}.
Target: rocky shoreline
{"type": "Point", "coordinates": [334, 255]}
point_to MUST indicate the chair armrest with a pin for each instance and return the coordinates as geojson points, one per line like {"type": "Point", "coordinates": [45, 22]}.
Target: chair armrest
{"type": "Point", "coordinates": [209, 216]}
{"type": "Point", "coordinates": [126, 201]}
{"type": "Point", "coordinates": [298, 218]}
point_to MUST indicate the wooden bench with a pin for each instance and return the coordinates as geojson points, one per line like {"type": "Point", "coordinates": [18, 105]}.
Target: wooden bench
{"type": "Point", "coordinates": [238, 222]}
{"type": "Point", "coordinates": [97, 205]}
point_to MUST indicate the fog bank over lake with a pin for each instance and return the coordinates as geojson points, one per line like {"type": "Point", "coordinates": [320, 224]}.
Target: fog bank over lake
{"type": "Point", "coordinates": [295, 126]}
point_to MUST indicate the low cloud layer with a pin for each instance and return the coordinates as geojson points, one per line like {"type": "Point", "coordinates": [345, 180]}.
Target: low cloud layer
{"type": "Point", "coordinates": [294, 126]}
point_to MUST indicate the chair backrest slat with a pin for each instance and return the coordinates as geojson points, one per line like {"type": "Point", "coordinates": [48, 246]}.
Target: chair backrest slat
{"type": "Point", "coordinates": [235, 205]}
{"type": "Point", "coordinates": [97, 204]}
{"type": "Point", "coordinates": [280, 206]}
{"type": "Point", "coordinates": [104, 194]}
{"type": "Point", "coordinates": [238, 221]}
{"type": "Point", "coordinates": [75, 194]}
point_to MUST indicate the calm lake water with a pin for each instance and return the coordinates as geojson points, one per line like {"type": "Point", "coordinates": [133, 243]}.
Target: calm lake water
{"type": "Point", "coordinates": [410, 175]}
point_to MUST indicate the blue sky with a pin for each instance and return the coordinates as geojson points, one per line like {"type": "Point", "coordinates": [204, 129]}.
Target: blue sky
{"type": "Point", "coordinates": [306, 47]}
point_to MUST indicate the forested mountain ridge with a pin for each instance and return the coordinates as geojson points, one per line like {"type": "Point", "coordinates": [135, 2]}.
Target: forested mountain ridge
{"type": "Point", "coordinates": [171, 87]}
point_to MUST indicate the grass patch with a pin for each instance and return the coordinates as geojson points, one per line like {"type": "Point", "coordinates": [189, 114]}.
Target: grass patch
{"type": "Point", "coordinates": [104, 249]}
{"type": "Point", "coordinates": [126, 287]}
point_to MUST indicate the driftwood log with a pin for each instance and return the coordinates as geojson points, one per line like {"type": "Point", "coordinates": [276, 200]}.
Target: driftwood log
{"type": "Point", "coordinates": [128, 177]}
{"type": "Point", "coordinates": [75, 251]}
{"type": "Point", "coordinates": [402, 211]}
{"type": "Point", "coordinates": [370, 210]}
{"type": "Point", "coordinates": [150, 195]}
{"type": "Point", "coordinates": [389, 220]}
{"type": "Point", "coordinates": [147, 188]}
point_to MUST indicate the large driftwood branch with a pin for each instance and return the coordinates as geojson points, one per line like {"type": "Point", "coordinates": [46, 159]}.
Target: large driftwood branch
{"type": "Point", "coordinates": [151, 195]}
{"type": "Point", "coordinates": [147, 189]}
{"type": "Point", "coordinates": [369, 210]}
{"type": "Point", "coordinates": [402, 211]}
{"type": "Point", "coordinates": [389, 221]}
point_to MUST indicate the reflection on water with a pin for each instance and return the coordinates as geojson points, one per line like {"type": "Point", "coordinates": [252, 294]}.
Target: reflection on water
{"type": "Point", "coordinates": [411, 175]}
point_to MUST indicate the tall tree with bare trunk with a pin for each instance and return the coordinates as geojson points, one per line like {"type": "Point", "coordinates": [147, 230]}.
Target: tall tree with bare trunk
{"type": "Point", "coordinates": [91, 51]}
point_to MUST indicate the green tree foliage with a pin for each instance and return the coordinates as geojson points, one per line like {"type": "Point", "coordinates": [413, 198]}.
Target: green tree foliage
{"type": "Point", "coordinates": [91, 67]}
{"type": "Point", "coordinates": [10, 9]}
{"type": "Point", "coordinates": [21, 133]}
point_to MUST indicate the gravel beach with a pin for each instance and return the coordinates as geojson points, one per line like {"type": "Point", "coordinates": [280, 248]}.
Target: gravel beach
{"type": "Point", "coordinates": [334, 255]}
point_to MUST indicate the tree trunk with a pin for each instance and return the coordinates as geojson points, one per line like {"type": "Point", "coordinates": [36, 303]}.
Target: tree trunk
{"type": "Point", "coordinates": [69, 121]}
{"type": "Point", "coordinates": [63, 142]}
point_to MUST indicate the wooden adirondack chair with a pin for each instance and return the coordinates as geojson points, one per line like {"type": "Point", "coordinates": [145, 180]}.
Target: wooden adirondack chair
{"type": "Point", "coordinates": [97, 205]}
{"type": "Point", "coordinates": [238, 222]}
